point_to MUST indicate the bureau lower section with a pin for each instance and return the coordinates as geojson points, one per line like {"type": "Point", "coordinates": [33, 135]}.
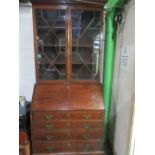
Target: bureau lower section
{"type": "Point", "coordinates": [66, 131]}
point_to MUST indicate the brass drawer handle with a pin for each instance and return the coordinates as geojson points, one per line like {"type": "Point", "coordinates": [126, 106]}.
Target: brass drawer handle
{"type": "Point", "coordinates": [50, 148]}
{"type": "Point", "coordinates": [87, 117]}
{"type": "Point", "coordinates": [85, 137]}
{"type": "Point", "coordinates": [47, 117]}
{"type": "Point", "coordinates": [49, 126]}
{"type": "Point", "coordinates": [49, 137]}
{"type": "Point", "coordinates": [86, 126]}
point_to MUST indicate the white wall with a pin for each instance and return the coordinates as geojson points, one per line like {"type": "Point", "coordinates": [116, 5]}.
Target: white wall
{"type": "Point", "coordinates": [26, 53]}
{"type": "Point", "coordinates": [123, 83]}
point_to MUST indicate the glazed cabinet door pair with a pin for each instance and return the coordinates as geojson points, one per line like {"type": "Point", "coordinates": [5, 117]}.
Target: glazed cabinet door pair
{"type": "Point", "coordinates": [67, 43]}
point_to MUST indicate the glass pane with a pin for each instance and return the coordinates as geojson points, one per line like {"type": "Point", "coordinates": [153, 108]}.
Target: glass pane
{"type": "Point", "coordinates": [51, 44]}
{"type": "Point", "coordinates": [85, 44]}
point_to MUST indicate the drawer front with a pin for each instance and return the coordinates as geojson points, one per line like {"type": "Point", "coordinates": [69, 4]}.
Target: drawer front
{"type": "Point", "coordinates": [65, 146]}
{"type": "Point", "coordinates": [84, 134]}
{"type": "Point", "coordinates": [69, 115]}
{"type": "Point", "coordinates": [70, 134]}
{"type": "Point", "coordinates": [49, 125]}
{"type": "Point", "coordinates": [48, 116]}
{"type": "Point", "coordinates": [54, 147]}
{"type": "Point", "coordinates": [50, 136]}
{"type": "Point", "coordinates": [86, 124]}
{"type": "Point", "coordinates": [87, 115]}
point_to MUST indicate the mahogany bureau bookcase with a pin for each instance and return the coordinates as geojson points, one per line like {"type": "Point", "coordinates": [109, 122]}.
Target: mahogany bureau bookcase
{"type": "Point", "coordinates": [67, 111]}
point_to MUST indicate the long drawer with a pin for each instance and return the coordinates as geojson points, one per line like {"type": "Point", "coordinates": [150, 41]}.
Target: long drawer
{"type": "Point", "coordinates": [69, 115]}
{"type": "Point", "coordinates": [54, 124]}
{"type": "Point", "coordinates": [68, 134]}
{"type": "Point", "coordinates": [65, 146]}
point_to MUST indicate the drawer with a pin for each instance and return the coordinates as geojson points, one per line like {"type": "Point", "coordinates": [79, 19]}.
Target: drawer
{"type": "Point", "coordinates": [69, 115]}
{"type": "Point", "coordinates": [52, 147]}
{"type": "Point", "coordinates": [53, 124]}
{"type": "Point", "coordinates": [48, 125]}
{"type": "Point", "coordinates": [65, 146]}
{"type": "Point", "coordinates": [87, 115]}
{"type": "Point", "coordinates": [49, 115]}
{"type": "Point", "coordinates": [84, 134]}
{"type": "Point", "coordinates": [90, 124]}
{"type": "Point", "coordinates": [50, 135]}
{"type": "Point", "coordinates": [70, 134]}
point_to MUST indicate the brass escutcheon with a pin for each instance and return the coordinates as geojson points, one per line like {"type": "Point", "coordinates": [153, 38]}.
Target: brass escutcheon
{"type": "Point", "coordinates": [86, 116]}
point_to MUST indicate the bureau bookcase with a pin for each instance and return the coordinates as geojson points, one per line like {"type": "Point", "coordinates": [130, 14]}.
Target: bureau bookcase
{"type": "Point", "coordinates": [67, 111]}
